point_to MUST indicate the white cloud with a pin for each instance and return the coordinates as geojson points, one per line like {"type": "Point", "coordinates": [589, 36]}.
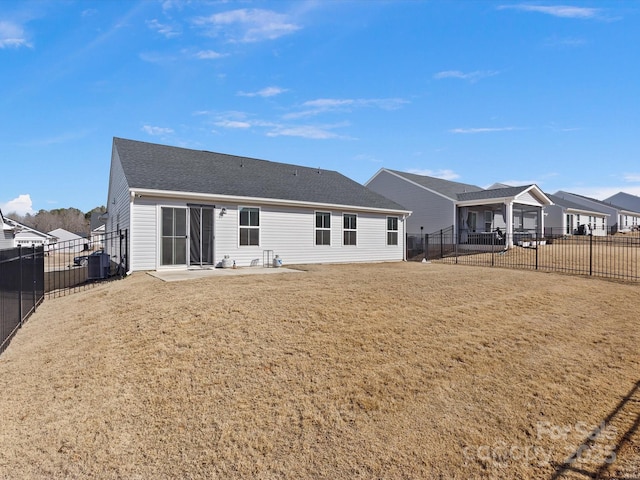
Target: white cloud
{"type": "Point", "coordinates": [305, 131]}
{"type": "Point", "coordinates": [265, 92]}
{"type": "Point", "coordinates": [209, 55]}
{"type": "Point", "coordinates": [632, 177]}
{"type": "Point", "coordinates": [471, 76]}
{"type": "Point", "coordinates": [325, 105]}
{"type": "Point", "coordinates": [12, 35]}
{"type": "Point", "coordinates": [156, 130]}
{"type": "Point", "coordinates": [166, 30]}
{"type": "Point", "coordinates": [445, 174]}
{"type": "Point", "coordinates": [563, 11]}
{"type": "Point", "coordinates": [232, 124]}
{"type": "Point", "coordinates": [483, 130]}
{"type": "Point", "coordinates": [248, 25]}
{"type": "Point", "coordinates": [20, 205]}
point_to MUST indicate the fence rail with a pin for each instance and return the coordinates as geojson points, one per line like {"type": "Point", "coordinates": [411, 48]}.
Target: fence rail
{"type": "Point", "coordinates": [21, 288]}
{"type": "Point", "coordinates": [75, 265]}
{"type": "Point", "coordinates": [608, 256]}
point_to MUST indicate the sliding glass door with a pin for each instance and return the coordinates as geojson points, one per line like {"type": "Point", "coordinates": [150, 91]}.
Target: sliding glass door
{"type": "Point", "coordinates": [201, 235]}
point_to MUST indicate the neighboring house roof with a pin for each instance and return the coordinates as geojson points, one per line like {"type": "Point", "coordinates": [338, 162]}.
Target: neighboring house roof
{"type": "Point", "coordinates": [63, 235]}
{"type": "Point", "coordinates": [626, 200]}
{"type": "Point", "coordinates": [97, 220]}
{"type": "Point", "coordinates": [502, 192]}
{"type": "Point", "coordinates": [562, 194]}
{"type": "Point", "coordinates": [155, 167]}
{"type": "Point", "coordinates": [24, 229]}
{"type": "Point", "coordinates": [464, 192]}
{"type": "Point", "coordinates": [446, 188]}
{"type": "Point", "coordinates": [5, 225]}
{"type": "Point", "coordinates": [498, 185]}
{"type": "Point", "coordinates": [563, 202]}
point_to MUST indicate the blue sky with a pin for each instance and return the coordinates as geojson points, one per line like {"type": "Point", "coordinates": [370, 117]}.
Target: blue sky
{"type": "Point", "coordinates": [473, 91]}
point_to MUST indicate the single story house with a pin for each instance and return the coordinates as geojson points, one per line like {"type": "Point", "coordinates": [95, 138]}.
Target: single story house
{"type": "Point", "coordinates": [565, 217]}
{"type": "Point", "coordinates": [474, 213]}
{"type": "Point", "coordinates": [628, 202]}
{"type": "Point", "coordinates": [619, 218]}
{"type": "Point", "coordinates": [8, 234]}
{"type": "Point", "coordinates": [187, 208]}
{"type": "Point", "coordinates": [97, 226]}
{"type": "Point", "coordinates": [66, 241]}
{"type": "Point", "coordinates": [29, 237]}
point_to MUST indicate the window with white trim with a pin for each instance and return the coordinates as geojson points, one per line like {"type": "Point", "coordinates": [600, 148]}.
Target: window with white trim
{"type": "Point", "coordinates": [488, 220]}
{"type": "Point", "coordinates": [249, 225]}
{"type": "Point", "coordinates": [392, 230]}
{"type": "Point", "coordinates": [349, 232]}
{"type": "Point", "coordinates": [323, 228]}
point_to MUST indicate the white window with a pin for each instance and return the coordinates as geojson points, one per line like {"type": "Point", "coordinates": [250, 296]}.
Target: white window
{"type": "Point", "coordinates": [323, 228]}
{"type": "Point", "coordinates": [392, 230]}
{"type": "Point", "coordinates": [249, 224]}
{"type": "Point", "coordinates": [349, 232]}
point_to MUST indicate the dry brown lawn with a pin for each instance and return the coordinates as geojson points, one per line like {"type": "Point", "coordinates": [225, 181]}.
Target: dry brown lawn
{"type": "Point", "coordinates": [402, 370]}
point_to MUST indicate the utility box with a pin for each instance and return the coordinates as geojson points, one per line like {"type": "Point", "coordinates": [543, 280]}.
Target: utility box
{"type": "Point", "coordinates": [98, 266]}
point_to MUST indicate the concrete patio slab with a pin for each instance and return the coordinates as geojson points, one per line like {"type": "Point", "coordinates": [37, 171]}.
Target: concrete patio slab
{"type": "Point", "coordinates": [192, 274]}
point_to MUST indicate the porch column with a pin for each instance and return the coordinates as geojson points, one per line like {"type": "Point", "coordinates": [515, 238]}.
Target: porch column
{"type": "Point", "coordinates": [509, 221]}
{"type": "Point", "coordinates": [541, 222]}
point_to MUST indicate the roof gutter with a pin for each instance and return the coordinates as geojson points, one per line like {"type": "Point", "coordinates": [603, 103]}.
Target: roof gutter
{"type": "Point", "coordinates": [142, 192]}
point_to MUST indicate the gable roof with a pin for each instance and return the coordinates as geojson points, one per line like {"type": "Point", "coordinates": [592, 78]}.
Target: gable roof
{"type": "Point", "coordinates": [174, 169]}
{"type": "Point", "coordinates": [562, 193]}
{"type": "Point", "coordinates": [626, 200]}
{"type": "Point", "coordinates": [5, 225]}
{"type": "Point", "coordinates": [444, 187]}
{"type": "Point", "coordinates": [563, 202]}
{"type": "Point", "coordinates": [22, 229]}
{"type": "Point", "coordinates": [502, 192]}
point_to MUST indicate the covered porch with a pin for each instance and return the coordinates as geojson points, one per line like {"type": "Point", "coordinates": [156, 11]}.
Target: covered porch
{"type": "Point", "coordinates": [504, 216]}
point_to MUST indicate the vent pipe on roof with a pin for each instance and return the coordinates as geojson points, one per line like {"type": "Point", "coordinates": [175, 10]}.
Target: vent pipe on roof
{"type": "Point", "coordinates": [295, 172]}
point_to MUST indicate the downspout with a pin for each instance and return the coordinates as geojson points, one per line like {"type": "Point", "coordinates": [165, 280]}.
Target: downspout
{"type": "Point", "coordinates": [132, 197]}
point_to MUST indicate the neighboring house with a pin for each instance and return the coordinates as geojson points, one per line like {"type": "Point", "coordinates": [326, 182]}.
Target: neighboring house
{"type": "Point", "coordinates": [619, 218]}
{"type": "Point", "coordinates": [97, 226]}
{"type": "Point", "coordinates": [189, 208]}
{"type": "Point", "coordinates": [8, 234]}
{"type": "Point", "coordinates": [565, 217]}
{"type": "Point", "coordinates": [473, 212]}
{"type": "Point", "coordinates": [29, 237]}
{"type": "Point", "coordinates": [68, 242]}
{"type": "Point", "coordinates": [629, 202]}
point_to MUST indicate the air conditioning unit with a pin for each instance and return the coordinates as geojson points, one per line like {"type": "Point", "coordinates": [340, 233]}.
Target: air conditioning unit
{"type": "Point", "coordinates": [98, 266]}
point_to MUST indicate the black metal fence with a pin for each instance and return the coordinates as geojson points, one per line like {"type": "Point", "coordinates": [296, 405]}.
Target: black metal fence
{"type": "Point", "coordinates": [75, 265]}
{"type": "Point", "coordinates": [609, 256]}
{"type": "Point", "coordinates": [21, 288]}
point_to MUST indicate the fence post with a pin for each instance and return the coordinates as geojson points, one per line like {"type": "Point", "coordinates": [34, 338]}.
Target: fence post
{"type": "Point", "coordinates": [20, 287]}
{"type": "Point", "coordinates": [441, 244]}
{"type": "Point", "coordinates": [33, 277]}
{"type": "Point", "coordinates": [493, 242]}
{"type": "Point", "coordinates": [426, 246]}
{"type": "Point", "coordinates": [590, 254]}
{"type": "Point", "coordinates": [537, 246]}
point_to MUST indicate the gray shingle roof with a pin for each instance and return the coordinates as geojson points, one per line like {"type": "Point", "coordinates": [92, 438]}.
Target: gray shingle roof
{"type": "Point", "coordinates": [493, 193]}
{"type": "Point", "coordinates": [626, 200]}
{"type": "Point", "coordinates": [161, 167]}
{"type": "Point", "coordinates": [561, 194]}
{"type": "Point", "coordinates": [563, 202]}
{"type": "Point", "coordinates": [445, 187]}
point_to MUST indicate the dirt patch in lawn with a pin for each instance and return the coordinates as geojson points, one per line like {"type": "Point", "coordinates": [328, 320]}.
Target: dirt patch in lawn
{"type": "Point", "coordinates": [402, 370]}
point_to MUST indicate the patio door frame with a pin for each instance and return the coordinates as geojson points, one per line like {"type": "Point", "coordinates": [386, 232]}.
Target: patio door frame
{"type": "Point", "coordinates": [201, 244]}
